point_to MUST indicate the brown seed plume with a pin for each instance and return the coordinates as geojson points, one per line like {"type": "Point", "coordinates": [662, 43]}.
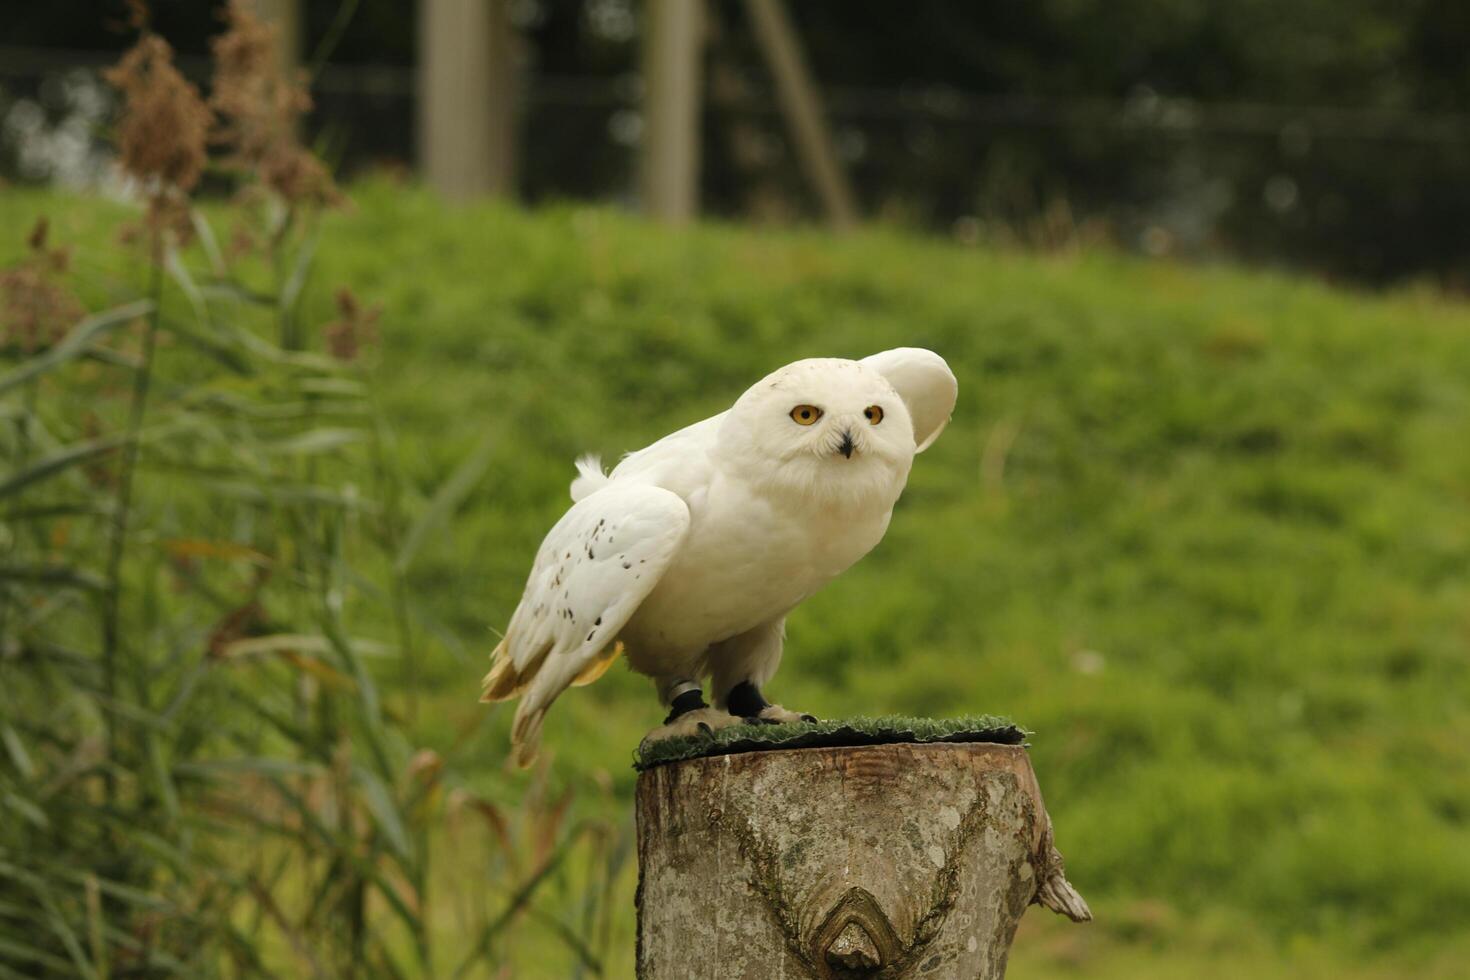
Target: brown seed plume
{"type": "Point", "coordinates": [161, 136]}
{"type": "Point", "coordinates": [259, 108]}
{"type": "Point", "coordinates": [355, 327]}
{"type": "Point", "coordinates": [162, 132]}
{"type": "Point", "coordinates": [36, 309]}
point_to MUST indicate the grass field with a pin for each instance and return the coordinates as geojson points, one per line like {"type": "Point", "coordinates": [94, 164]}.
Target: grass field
{"type": "Point", "coordinates": [1205, 531]}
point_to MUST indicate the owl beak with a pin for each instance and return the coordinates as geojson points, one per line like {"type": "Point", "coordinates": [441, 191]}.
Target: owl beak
{"type": "Point", "coordinates": [846, 448]}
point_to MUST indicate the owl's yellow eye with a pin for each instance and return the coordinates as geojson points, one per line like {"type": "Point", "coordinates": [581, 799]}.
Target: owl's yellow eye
{"type": "Point", "coordinates": [805, 414]}
{"type": "Point", "coordinates": [873, 414]}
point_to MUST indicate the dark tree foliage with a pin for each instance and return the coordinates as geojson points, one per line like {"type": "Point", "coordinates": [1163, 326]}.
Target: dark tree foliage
{"type": "Point", "coordinates": [1313, 131]}
{"type": "Point", "coordinates": [1327, 133]}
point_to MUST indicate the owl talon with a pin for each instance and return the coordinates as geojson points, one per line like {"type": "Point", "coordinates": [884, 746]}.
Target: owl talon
{"type": "Point", "coordinates": [810, 719]}
{"type": "Point", "coordinates": [777, 715]}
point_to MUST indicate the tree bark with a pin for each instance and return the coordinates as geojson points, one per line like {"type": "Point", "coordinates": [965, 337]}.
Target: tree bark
{"type": "Point", "coordinates": [908, 860]}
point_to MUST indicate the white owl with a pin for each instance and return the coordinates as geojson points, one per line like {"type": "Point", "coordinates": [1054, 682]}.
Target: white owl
{"type": "Point", "coordinates": [690, 554]}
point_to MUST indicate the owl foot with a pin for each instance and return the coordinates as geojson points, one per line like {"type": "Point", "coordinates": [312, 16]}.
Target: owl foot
{"type": "Point", "coordinates": [746, 702]}
{"type": "Point", "coordinates": [700, 721]}
{"type": "Point", "coordinates": [774, 714]}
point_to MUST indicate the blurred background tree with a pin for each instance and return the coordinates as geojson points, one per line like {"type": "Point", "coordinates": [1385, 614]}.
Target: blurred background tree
{"type": "Point", "coordinates": [1330, 136]}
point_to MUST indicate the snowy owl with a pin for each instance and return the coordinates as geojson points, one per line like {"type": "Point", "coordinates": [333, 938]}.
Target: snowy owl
{"type": "Point", "coordinates": [692, 551]}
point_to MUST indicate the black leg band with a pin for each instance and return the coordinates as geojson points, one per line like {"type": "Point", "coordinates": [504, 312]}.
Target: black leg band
{"type": "Point", "coordinates": [745, 701]}
{"type": "Point", "coordinates": [685, 703]}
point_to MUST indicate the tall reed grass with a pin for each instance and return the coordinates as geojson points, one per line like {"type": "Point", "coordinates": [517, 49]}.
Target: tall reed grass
{"type": "Point", "coordinates": [208, 758]}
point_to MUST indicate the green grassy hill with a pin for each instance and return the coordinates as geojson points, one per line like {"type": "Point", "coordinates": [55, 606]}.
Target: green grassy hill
{"type": "Point", "coordinates": [1205, 532]}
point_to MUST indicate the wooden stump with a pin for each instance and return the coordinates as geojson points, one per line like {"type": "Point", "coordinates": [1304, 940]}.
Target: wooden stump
{"type": "Point", "coordinates": [908, 860]}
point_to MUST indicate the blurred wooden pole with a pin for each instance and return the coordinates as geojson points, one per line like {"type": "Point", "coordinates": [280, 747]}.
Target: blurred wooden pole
{"type": "Point", "coordinates": [673, 44]}
{"type": "Point", "coordinates": [802, 107]}
{"type": "Point", "coordinates": [747, 142]}
{"type": "Point", "coordinates": [285, 17]}
{"type": "Point", "coordinates": [466, 98]}
{"type": "Point", "coordinates": [502, 99]}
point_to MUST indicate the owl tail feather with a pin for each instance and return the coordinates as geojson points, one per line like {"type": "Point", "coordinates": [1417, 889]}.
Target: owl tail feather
{"type": "Point", "coordinates": [590, 477]}
{"type": "Point", "coordinates": [525, 735]}
{"type": "Point", "coordinates": [503, 682]}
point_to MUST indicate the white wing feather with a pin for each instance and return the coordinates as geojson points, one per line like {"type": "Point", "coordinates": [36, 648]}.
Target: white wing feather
{"type": "Point", "coordinates": [679, 461]}
{"type": "Point", "coordinates": [593, 570]}
{"type": "Point", "coordinates": [925, 383]}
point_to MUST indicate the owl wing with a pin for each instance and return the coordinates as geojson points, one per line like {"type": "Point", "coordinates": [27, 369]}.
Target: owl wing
{"type": "Point", "coordinates": [593, 570]}
{"type": "Point", "coordinates": [679, 461]}
{"type": "Point", "coordinates": [926, 385]}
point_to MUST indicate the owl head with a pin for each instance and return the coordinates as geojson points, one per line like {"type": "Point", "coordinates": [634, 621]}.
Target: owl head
{"type": "Point", "coordinates": [827, 430]}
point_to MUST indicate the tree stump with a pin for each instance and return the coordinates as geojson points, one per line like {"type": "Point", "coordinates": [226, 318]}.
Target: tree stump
{"type": "Point", "coordinates": [875, 860]}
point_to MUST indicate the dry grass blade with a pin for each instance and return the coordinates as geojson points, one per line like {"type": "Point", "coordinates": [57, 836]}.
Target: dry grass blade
{"type": "Point", "coordinates": [446, 500]}
{"type": "Point", "coordinates": [299, 943]}
{"type": "Point", "coordinates": [58, 462]}
{"type": "Point", "coordinates": [380, 803]}
{"type": "Point", "coordinates": [519, 901]}
{"type": "Point", "coordinates": [23, 952]}
{"type": "Point", "coordinates": [46, 512]}
{"type": "Point", "coordinates": [76, 342]}
{"type": "Point", "coordinates": [586, 958]}
{"type": "Point", "coordinates": [64, 931]}
{"type": "Point", "coordinates": [53, 575]}
{"type": "Point", "coordinates": [96, 924]}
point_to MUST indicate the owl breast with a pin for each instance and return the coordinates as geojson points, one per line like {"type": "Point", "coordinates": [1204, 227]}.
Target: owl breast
{"type": "Point", "coordinates": [748, 559]}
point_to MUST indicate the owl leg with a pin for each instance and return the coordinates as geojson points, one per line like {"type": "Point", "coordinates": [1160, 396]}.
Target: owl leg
{"type": "Point", "coordinates": [746, 702]}
{"type": "Point", "coordinates": [741, 665]}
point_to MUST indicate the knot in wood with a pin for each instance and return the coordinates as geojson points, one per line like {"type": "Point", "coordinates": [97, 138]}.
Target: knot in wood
{"type": "Point", "coordinates": [854, 953]}
{"type": "Point", "coordinates": [856, 939]}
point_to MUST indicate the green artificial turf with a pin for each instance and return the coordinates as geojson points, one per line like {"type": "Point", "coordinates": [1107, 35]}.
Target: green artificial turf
{"type": "Point", "coordinates": [831, 733]}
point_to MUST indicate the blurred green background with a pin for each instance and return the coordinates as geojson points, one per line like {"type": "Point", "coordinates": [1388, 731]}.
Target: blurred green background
{"type": "Point", "coordinates": [1203, 529]}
